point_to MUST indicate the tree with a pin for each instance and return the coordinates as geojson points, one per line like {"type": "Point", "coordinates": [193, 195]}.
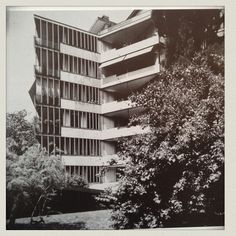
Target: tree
{"type": "Point", "coordinates": [33, 179]}
{"type": "Point", "coordinates": [175, 174]}
{"type": "Point", "coordinates": [188, 31]}
{"type": "Point", "coordinates": [33, 176]}
{"type": "Point", "coordinates": [20, 133]}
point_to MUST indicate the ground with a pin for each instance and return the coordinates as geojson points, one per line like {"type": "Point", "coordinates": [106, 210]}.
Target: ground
{"type": "Point", "coordinates": [83, 220]}
{"type": "Point", "coordinates": [90, 220]}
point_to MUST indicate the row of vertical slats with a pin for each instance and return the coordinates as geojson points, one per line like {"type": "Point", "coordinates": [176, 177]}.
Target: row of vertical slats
{"type": "Point", "coordinates": [89, 173]}
{"type": "Point", "coordinates": [55, 34]}
{"type": "Point", "coordinates": [78, 65]}
{"type": "Point", "coordinates": [79, 92]}
{"type": "Point", "coordinates": [84, 147]}
{"type": "Point", "coordinates": [79, 119]}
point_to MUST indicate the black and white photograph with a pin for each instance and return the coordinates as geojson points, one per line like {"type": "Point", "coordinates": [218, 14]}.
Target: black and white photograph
{"type": "Point", "coordinates": [115, 118]}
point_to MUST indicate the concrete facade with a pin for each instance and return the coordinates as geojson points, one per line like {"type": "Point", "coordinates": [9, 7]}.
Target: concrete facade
{"type": "Point", "coordinates": [82, 83]}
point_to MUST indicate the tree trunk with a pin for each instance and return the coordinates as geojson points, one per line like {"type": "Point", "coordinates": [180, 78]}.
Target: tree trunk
{"type": "Point", "coordinates": [34, 210]}
{"type": "Point", "coordinates": [36, 205]}
{"type": "Point", "coordinates": [13, 210]}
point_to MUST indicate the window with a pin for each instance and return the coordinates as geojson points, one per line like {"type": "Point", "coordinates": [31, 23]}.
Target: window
{"type": "Point", "coordinates": [78, 65]}
{"type": "Point", "coordinates": [75, 65]}
{"type": "Point", "coordinates": [38, 89]}
{"type": "Point", "coordinates": [50, 68]}
{"type": "Point", "coordinates": [95, 44]}
{"type": "Point", "coordinates": [57, 143]}
{"type": "Point", "coordinates": [56, 39]}
{"type": "Point", "coordinates": [89, 43]}
{"type": "Point", "coordinates": [38, 23]}
{"type": "Point", "coordinates": [75, 38]}
{"type": "Point", "coordinates": [65, 35]}
{"type": "Point", "coordinates": [77, 92]}
{"type": "Point", "coordinates": [60, 34]}
{"type": "Point", "coordinates": [57, 122]}
{"type": "Point", "coordinates": [51, 120]}
{"type": "Point", "coordinates": [85, 41]}
{"type": "Point", "coordinates": [76, 146]}
{"type": "Point", "coordinates": [56, 64]}
{"type": "Point", "coordinates": [70, 37]}
{"type": "Point", "coordinates": [71, 91]}
{"type": "Point", "coordinates": [70, 64]}
{"type": "Point", "coordinates": [77, 44]}
{"type": "Point", "coordinates": [88, 173]}
{"type": "Point", "coordinates": [72, 146]}
{"type": "Point", "coordinates": [49, 33]}
{"type": "Point", "coordinates": [76, 119]}
{"type": "Point", "coordinates": [66, 58]}
{"type": "Point", "coordinates": [44, 34]}
{"type": "Point", "coordinates": [44, 119]}
{"type": "Point", "coordinates": [44, 90]}
{"type": "Point", "coordinates": [82, 40]}
{"type": "Point", "coordinates": [66, 90]}
{"type": "Point", "coordinates": [45, 142]}
{"type": "Point", "coordinates": [50, 91]}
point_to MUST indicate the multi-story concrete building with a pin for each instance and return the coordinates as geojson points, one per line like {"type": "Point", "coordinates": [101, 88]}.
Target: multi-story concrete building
{"type": "Point", "coordinates": [82, 82]}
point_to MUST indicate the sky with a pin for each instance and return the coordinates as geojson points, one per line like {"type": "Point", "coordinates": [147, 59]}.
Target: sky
{"type": "Point", "coordinates": [20, 46]}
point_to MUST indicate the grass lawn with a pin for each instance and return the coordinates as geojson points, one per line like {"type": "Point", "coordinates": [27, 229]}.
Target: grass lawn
{"type": "Point", "coordinates": [73, 221]}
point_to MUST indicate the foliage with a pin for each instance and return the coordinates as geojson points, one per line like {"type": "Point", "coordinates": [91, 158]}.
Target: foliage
{"type": "Point", "coordinates": [176, 172]}
{"type": "Point", "coordinates": [188, 31]}
{"type": "Point", "coordinates": [34, 178]}
{"type": "Point", "coordinates": [74, 181]}
{"type": "Point", "coordinates": [20, 133]}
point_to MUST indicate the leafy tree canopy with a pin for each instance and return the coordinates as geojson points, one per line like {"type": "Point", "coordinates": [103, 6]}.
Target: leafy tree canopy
{"type": "Point", "coordinates": [20, 133]}
{"type": "Point", "coordinates": [188, 31]}
{"type": "Point", "coordinates": [176, 172]}
{"type": "Point", "coordinates": [33, 176]}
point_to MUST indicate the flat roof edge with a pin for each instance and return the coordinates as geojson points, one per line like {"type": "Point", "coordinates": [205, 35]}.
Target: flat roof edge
{"type": "Point", "coordinates": [63, 24]}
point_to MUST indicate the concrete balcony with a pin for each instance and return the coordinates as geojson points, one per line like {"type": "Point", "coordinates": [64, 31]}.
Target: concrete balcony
{"type": "Point", "coordinates": [123, 109]}
{"type": "Point", "coordinates": [116, 106]}
{"type": "Point", "coordinates": [114, 133]}
{"type": "Point", "coordinates": [78, 52]}
{"type": "Point", "coordinates": [144, 74]}
{"type": "Point", "coordinates": [69, 160]}
{"type": "Point", "coordinates": [116, 55]}
{"type": "Point", "coordinates": [80, 106]}
{"type": "Point", "coordinates": [87, 160]}
{"type": "Point", "coordinates": [80, 133]}
{"type": "Point", "coordinates": [127, 24]}
{"type": "Point", "coordinates": [107, 134]}
{"type": "Point", "coordinates": [79, 79]}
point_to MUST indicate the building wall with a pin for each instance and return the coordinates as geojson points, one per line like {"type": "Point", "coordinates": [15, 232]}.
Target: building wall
{"type": "Point", "coordinates": [69, 94]}
{"type": "Point", "coordinates": [107, 123]}
{"type": "Point", "coordinates": [108, 148]}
